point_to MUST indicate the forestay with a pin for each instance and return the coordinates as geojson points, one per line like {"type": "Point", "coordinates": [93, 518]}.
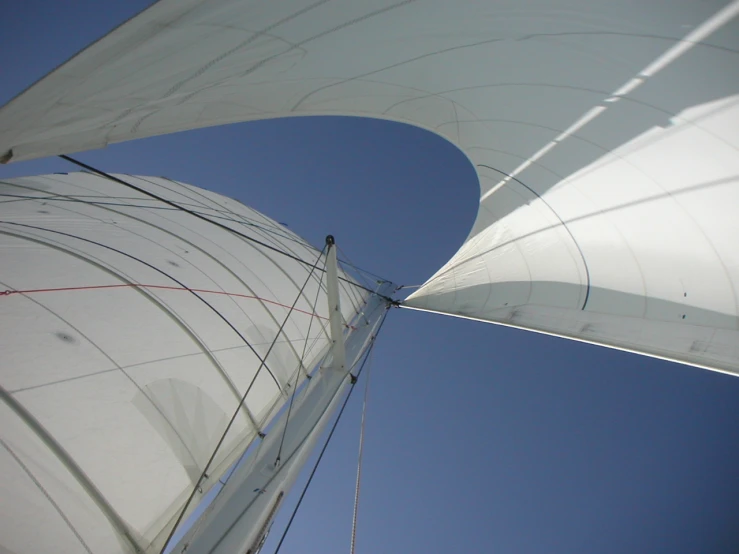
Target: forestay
{"type": "Point", "coordinates": [130, 331]}
{"type": "Point", "coordinates": [604, 134]}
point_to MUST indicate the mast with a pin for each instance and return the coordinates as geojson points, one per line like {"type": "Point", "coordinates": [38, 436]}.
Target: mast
{"type": "Point", "coordinates": [240, 516]}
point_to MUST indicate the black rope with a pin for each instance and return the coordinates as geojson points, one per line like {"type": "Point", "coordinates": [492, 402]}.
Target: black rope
{"type": "Point", "coordinates": [199, 216]}
{"type": "Point", "coordinates": [331, 434]}
{"type": "Point", "coordinates": [238, 408]}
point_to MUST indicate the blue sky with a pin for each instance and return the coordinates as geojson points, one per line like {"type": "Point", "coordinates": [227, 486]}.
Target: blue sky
{"type": "Point", "coordinates": [479, 438]}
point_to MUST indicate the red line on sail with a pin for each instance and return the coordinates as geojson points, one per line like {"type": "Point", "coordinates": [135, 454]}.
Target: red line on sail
{"type": "Point", "coordinates": [161, 287]}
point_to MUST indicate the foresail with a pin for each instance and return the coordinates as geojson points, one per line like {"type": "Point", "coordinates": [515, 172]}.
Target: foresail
{"type": "Point", "coordinates": [131, 330]}
{"type": "Point", "coordinates": [637, 251]}
{"type": "Point", "coordinates": [604, 134]}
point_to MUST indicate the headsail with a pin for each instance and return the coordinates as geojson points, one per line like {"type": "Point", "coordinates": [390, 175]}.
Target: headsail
{"type": "Point", "coordinates": [604, 134]}
{"type": "Point", "coordinates": [131, 331]}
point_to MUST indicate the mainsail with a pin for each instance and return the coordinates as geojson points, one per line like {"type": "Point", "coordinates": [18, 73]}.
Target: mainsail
{"type": "Point", "coordinates": [131, 331]}
{"type": "Point", "coordinates": [604, 135]}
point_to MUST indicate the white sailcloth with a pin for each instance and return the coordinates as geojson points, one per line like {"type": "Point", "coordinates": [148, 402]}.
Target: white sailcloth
{"type": "Point", "coordinates": [604, 134]}
{"type": "Point", "coordinates": [130, 331]}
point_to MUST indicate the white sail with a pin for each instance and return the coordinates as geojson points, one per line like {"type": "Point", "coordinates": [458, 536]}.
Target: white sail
{"type": "Point", "coordinates": [131, 329]}
{"type": "Point", "coordinates": [637, 251]}
{"type": "Point", "coordinates": [604, 134]}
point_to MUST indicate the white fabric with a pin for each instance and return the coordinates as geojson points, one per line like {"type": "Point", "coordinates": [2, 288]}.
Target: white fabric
{"type": "Point", "coordinates": [136, 383]}
{"type": "Point", "coordinates": [604, 134]}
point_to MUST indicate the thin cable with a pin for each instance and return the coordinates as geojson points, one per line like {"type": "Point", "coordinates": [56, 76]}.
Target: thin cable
{"type": "Point", "coordinates": [328, 439]}
{"type": "Point", "coordinates": [359, 460]}
{"type": "Point", "coordinates": [360, 272]}
{"type": "Point", "coordinates": [295, 390]}
{"type": "Point", "coordinates": [199, 216]}
{"type": "Point", "coordinates": [238, 408]}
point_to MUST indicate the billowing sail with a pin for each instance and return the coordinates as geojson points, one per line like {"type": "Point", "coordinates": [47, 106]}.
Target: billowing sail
{"type": "Point", "coordinates": [604, 134]}
{"type": "Point", "coordinates": [132, 326]}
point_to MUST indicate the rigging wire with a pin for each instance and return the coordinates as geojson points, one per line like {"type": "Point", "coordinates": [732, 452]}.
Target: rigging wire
{"type": "Point", "coordinates": [408, 287]}
{"type": "Point", "coordinates": [360, 276]}
{"type": "Point", "coordinates": [204, 473]}
{"type": "Point", "coordinates": [331, 434]}
{"type": "Point", "coordinates": [302, 358]}
{"type": "Point", "coordinates": [360, 272]}
{"type": "Point", "coordinates": [359, 458]}
{"type": "Point", "coordinates": [199, 216]}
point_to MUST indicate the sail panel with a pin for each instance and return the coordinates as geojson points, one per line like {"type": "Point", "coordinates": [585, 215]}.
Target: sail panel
{"type": "Point", "coordinates": [131, 331]}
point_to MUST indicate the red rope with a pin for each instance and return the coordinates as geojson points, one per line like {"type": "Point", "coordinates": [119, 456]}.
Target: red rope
{"type": "Point", "coordinates": [162, 287]}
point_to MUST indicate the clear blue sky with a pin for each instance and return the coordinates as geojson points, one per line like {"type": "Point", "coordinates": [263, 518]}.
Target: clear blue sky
{"type": "Point", "coordinates": [479, 438]}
